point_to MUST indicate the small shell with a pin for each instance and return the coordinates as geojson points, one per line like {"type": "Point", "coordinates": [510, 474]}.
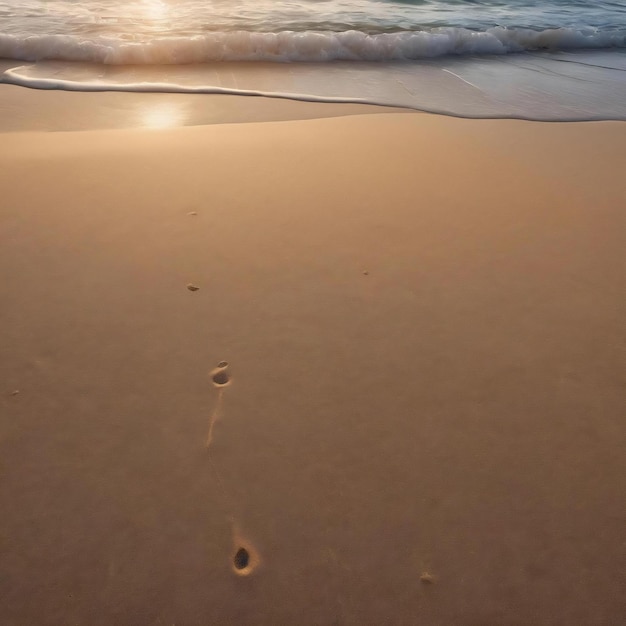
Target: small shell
{"type": "Point", "coordinates": [427, 578]}
{"type": "Point", "coordinates": [192, 287]}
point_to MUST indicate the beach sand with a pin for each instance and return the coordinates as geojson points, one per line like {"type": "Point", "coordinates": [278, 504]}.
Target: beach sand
{"type": "Point", "coordinates": [423, 319]}
{"type": "Point", "coordinates": [52, 110]}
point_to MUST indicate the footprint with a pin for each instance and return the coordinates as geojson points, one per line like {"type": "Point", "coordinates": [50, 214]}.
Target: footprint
{"type": "Point", "coordinates": [242, 559]}
{"type": "Point", "coordinates": [221, 375]}
{"type": "Point", "coordinates": [245, 557]}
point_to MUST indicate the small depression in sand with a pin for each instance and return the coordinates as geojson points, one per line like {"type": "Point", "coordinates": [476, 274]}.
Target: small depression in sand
{"type": "Point", "coordinates": [220, 375]}
{"type": "Point", "coordinates": [242, 559]}
{"type": "Point", "coordinates": [245, 558]}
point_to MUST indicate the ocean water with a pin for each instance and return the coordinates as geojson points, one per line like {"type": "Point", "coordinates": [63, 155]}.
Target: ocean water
{"type": "Point", "coordinates": [554, 59]}
{"type": "Point", "coordinates": [192, 31]}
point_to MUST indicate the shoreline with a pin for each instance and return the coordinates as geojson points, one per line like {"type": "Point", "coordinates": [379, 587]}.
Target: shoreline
{"type": "Point", "coordinates": [548, 86]}
{"type": "Point", "coordinates": [423, 320]}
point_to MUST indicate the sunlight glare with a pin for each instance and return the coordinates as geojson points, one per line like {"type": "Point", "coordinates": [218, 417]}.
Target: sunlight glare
{"type": "Point", "coordinates": [155, 9]}
{"type": "Point", "coordinates": [166, 115]}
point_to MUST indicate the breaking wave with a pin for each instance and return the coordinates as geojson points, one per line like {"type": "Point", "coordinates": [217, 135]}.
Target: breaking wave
{"type": "Point", "coordinates": [305, 46]}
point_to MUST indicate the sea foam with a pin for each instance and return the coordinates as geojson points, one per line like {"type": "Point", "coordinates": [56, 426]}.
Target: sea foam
{"type": "Point", "coordinates": [305, 46]}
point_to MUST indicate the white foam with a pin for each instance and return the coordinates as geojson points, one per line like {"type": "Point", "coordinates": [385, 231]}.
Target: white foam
{"type": "Point", "coordinates": [310, 46]}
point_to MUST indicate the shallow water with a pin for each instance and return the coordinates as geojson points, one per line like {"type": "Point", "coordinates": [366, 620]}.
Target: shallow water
{"type": "Point", "coordinates": [562, 86]}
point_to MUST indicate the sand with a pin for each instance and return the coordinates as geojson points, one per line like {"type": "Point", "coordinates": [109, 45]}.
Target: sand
{"type": "Point", "coordinates": [45, 110]}
{"type": "Point", "coordinates": [423, 319]}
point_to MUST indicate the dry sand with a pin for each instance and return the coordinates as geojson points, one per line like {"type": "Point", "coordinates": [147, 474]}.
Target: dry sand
{"type": "Point", "coordinates": [424, 321]}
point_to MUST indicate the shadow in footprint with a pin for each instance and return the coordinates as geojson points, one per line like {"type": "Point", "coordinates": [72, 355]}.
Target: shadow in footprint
{"type": "Point", "coordinates": [242, 559]}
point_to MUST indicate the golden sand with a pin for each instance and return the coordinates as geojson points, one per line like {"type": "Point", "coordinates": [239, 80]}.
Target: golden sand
{"type": "Point", "coordinates": [423, 319]}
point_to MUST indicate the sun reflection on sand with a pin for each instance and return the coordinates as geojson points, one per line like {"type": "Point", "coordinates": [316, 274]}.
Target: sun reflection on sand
{"type": "Point", "coordinates": [163, 115]}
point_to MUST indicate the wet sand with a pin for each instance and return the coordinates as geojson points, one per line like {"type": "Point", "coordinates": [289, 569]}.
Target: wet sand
{"type": "Point", "coordinates": [423, 319]}
{"type": "Point", "coordinates": [51, 110]}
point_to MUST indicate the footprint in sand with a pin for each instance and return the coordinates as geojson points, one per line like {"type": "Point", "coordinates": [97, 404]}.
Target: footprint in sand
{"type": "Point", "coordinates": [245, 557]}
{"type": "Point", "coordinates": [221, 375]}
{"type": "Point", "coordinates": [242, 559]}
